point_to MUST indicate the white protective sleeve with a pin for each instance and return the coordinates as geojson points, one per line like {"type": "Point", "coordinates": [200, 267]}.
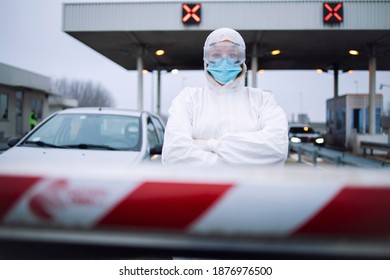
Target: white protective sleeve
{"type": "Point", "coordinates": [179, 146]}
{"type": "Point", "coordinates": [266, 147]}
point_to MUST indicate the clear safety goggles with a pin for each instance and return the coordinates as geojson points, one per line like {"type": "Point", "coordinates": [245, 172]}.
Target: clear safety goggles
{"type": "Point", "coordinates": [233, 52]}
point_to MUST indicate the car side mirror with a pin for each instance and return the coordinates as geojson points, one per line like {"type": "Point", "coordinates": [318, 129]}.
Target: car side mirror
{"type": "Point", "coordinates": [13, 141]}
{"type": "Point", "coordinates": [157, 150]}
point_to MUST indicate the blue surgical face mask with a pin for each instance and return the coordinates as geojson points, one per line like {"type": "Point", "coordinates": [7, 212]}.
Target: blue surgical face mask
{"type": "Point", "coordinates": [224, 70]}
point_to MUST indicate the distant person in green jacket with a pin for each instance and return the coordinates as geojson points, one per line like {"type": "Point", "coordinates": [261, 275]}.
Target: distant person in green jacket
{"type": "Point", "coordinates": [33, 120]}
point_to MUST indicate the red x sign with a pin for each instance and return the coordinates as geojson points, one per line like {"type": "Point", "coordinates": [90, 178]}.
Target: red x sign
{"type": "Point", "coordinates": [191, 13]}
{"type": "Point", "coordinates": [333, 12]}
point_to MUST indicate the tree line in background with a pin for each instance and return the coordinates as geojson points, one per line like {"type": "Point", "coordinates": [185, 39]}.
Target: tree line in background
{"type": "Point", "coordinates": [87, 93]}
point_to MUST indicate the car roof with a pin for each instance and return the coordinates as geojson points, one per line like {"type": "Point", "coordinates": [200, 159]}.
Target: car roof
{"type": "Point", "coordinates": [102, 110]}
{"type": "Point", "coordinates": [299, 125]}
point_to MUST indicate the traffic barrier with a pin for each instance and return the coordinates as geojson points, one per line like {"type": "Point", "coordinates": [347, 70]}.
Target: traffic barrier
{"type": "Point", "coordinates": [78, 212]}
{"type": "Point", "coordinates": [231, 202]}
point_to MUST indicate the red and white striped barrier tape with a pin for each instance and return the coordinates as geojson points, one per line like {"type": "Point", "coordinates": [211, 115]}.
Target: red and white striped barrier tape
{"type": "Point", "coordinates": [266, 203]}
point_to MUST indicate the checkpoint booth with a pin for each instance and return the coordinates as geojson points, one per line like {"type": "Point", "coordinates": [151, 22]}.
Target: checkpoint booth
{"type": "Point", "coordinates": [347, 121]}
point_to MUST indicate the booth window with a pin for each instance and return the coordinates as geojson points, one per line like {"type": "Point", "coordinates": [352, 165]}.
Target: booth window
{"type": "Point", "coordinates": [4, 106]}
{"type": "Point", "coordinates": [37, 105]}
{"type": "Point", "coordinates": [357, 119]}
{"type": "Point", "coordinates": [340, 120]}
{"type": "Point", "coordinates": [377, 120]}
{"type": "Point", "coordinates": [329, 120]}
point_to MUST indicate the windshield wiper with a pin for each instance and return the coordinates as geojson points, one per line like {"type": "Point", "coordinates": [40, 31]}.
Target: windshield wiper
{"type": "Point", "coordinates": [42, 144]}
{"type": "Point", "coordinates": [79, 146]}
{"type": "Point", "coordinates": [89, 146]}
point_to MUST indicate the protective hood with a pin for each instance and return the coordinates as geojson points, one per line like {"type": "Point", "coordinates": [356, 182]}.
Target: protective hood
{"type": "Point", "coordinates": [224, 34]}
{"type": "Point", "coordinates": [219, 35]}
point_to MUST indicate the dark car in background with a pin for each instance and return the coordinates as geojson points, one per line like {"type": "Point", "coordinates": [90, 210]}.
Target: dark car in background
{"type": "Point", "coordinates": [303, 133]}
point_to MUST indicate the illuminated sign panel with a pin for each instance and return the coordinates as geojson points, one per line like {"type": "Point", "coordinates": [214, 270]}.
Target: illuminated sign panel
{"type": "Point", "coordinates": [191, 13]}
{"type": "Point", "coordinates": [333, 12]}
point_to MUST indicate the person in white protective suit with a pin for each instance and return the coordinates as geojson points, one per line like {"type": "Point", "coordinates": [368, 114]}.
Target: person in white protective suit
{"type": "Point", "coordinates": [225, 122]}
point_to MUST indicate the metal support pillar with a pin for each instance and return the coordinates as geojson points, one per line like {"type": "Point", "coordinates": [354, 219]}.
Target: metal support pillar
{"type": "Point", "coordinates": [140, 67]}
{"type": "Point", "coordinates": [372, 90]}
{"type": "Point", "coordinates": [254, 66]}
{"type": "Point", "coordinates": [335, 80]}
{"type": "Point", "coordinates": [158, 103]}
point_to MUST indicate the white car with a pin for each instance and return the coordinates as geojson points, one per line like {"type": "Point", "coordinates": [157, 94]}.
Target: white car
{"type": "Point", "coordinates": [95, 136]}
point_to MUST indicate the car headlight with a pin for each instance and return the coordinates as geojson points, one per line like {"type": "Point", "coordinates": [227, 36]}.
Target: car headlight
{"type": "Point", "coordinates": [295, 140]}
{"type": "Point", "coordinates": [320, 140]}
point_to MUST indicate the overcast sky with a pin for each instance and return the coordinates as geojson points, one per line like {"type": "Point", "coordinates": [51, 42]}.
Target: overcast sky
{"type": "Point", "coordinates": [31, 38]}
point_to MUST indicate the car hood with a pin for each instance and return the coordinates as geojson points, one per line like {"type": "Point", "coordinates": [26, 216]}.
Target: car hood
{"type": "Point", "coordinates": [67, 157]}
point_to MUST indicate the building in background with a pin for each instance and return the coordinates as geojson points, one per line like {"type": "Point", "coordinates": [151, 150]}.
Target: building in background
{"type": "Point", "coordinates": [347, 120]}
{"type": "Point", "coordinates": [57, 103]}
{"type": "Point", "coordinates": [303, 118]}
{"type": "Point", "coordinates": [22, 92]}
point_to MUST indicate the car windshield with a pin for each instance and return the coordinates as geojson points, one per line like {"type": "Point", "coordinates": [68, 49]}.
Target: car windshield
{"type": "Point", "coordinates": [88, 131]}
{"type": "Point", "coordinates": [302, 129]}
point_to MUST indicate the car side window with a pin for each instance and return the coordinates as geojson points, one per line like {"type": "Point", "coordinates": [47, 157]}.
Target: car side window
{"type": "Point", "coordinates": [160, 129]}
{"type": "Point", "coordinates": [152, 134]}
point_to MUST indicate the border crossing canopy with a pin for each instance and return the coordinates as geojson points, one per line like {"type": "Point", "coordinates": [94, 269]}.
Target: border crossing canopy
{"type": "Point", "coordinates": [297, 28]}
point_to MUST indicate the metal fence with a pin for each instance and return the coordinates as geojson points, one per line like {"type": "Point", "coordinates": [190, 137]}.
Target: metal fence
{"type": "Point", "coordinates": [339, 158]}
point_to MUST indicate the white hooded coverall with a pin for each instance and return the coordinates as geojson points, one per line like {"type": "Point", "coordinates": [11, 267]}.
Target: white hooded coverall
{"type": "Point", "coordinates": [225, 124]}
